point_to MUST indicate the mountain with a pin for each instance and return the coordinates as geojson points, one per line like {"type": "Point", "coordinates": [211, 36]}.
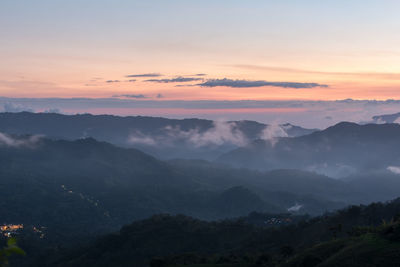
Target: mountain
{"type": "Point", "coordinates": [125, 184]}
{"type": "Point", "coordinates": [372, 247]}
{"type": "Point", "coordinates": [77, 190]}
{"type": "Point", "coordinates": [76, 187]}
{"type": "Point", "coordinates": [239, 200]}
{"type": "Point", "coordinates": [85, 187]}
{"type": "Point", "coordinates": [161, 137]}
{"type": "Point", "coordinates": [337, 151]}
{"type": "Point", "coordinates": [354, 236]}
{"type": "Point", "coordinates": [283, 188]}
{"type": "Point", "coordinates": [387, 118]}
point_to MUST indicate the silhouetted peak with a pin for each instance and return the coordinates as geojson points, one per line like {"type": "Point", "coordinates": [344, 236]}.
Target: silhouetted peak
{"type": "Point", "coordinates": [344, 125]}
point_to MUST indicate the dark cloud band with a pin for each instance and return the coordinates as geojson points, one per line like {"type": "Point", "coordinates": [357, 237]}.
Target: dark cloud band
{"type": "Point", "coordinates": [246, 84]}
{"type": "Point", "coordinates": [145, 75]}
{"type": "Point", "coordinates": [175, 80]}
{"type": "Point", "coordinates": [137, 96]}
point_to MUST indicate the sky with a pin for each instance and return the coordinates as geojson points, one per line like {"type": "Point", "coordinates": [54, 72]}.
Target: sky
{"type": "Point", "coordinates": [180, 50]}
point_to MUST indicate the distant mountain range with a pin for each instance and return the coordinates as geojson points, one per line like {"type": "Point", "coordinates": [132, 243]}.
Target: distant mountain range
{"type": "Point", "coordinates": [338, 151]}
{"type": "Point", "coordinates": [387, 118]}
{"type": "Point", "coordinates": [161, 137]}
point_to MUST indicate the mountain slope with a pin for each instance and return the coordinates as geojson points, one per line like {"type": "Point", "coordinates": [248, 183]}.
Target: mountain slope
{"type": "Point", "coordinates": [86, 187]}
{"type": "Point", "coordinates": [126, 184]}
{"type": "Point", "coordinates": [164, 138]}
{"type": "Point", "coordinates": [375, 247]}
{"type": "Point", "coordinates": [339, 150]}
{"type": "Point", "coordinates": [78, 189]}
{"type": "Point", "coordinates": [173, 240]}
{"type": "Point", "coordinates": [386, 118]}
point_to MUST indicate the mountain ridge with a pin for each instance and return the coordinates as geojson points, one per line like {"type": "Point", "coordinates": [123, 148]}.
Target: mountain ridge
{"type": "Point", "coordinates": [343, 147]}
{"type": "Point", "coordinates": [161, 137]}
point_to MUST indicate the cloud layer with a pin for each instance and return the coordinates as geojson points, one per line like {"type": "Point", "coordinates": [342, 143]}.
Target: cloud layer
{"type": "Point", "coordinates": [137, 96]}
{"type": "Point", "coordinates": [221, 133]}
{"type": "Point", "coordinates": [175, 80]}
{"type": "Point", "coordinates": [30, 142]}
{"type": "Point", "coordinates": [394, 169]}
{"type": "Point", "coordinates": [144, 75]}
{"type": "Point", "coordinates": [247, 84]}
{"type": "Point", "coordinates": [273, 132]}
{"type": "Point", "coordinates": [11, 107]}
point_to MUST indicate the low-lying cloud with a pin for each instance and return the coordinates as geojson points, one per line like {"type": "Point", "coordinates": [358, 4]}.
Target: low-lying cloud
{"type": "Point", "coordinates": [53, 110]}
{"type": "Point", "coordinates": [220, 133]}
{"type": "Point", "coordinates": [13, 108]}
{"type": "Point", "coordinates": [394, 169]}
{"type": "Point", "coordinates": [273, 132]}
{"type": "Point", "coordinates": [261, 83]}
{"type": "Point", "coordinates": [9, 141]}
{"type": "Point", "coordinates": [295, 208]}
{"type": "Point", "coordinates": [16, 108]}
{"type": "Point", "coordinates": [337, 170]}
{"type": "Point", "coordinates": [140, 138]}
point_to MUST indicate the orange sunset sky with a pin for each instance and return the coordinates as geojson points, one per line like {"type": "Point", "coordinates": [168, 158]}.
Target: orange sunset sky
{"type": "Point", "coordinates": [244, 50]}
{"type": "Point", "coordinates": [72, 48]}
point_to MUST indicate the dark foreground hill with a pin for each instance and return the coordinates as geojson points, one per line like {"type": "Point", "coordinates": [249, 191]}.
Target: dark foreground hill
{"type": "Point", "coordinates": [346, 238]}
{"type": "Point", "coordinates": [372, 247]}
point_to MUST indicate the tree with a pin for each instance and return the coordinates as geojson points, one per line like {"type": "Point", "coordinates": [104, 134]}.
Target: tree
{"type": "Point", "coordinates": [287, 251]}
{"type": "Point", "coordinates": [10, 249]}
